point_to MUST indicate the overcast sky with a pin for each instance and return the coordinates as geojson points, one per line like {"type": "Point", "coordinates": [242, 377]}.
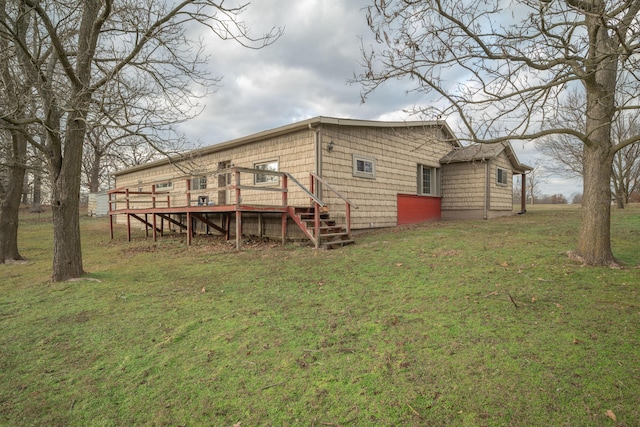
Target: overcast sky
{"type": "Point", "coordinates": [305, 74]}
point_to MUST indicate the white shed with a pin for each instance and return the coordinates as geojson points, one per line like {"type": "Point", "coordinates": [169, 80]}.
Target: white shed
{"type": "Point", "coordinates": [98, 204]}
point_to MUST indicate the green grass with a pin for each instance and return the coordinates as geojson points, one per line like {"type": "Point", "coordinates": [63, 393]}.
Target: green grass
{"type": "Point", "coordinates": [465, 323]}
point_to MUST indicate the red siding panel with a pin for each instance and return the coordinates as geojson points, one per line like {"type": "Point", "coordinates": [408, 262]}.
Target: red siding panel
{"type": "Point", "coordinates": [413, 209]}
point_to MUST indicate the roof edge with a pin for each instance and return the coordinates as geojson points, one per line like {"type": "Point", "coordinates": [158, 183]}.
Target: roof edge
{"type": "Point", "coordinates": [308, 123]}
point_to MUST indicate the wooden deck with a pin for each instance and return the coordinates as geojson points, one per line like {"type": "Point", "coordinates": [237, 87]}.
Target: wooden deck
{"type": "Point", "coordinates": [154, 209]}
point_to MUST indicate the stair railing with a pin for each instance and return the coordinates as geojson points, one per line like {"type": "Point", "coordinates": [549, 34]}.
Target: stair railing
{"type": "Point", "coordinates": [315, 179]}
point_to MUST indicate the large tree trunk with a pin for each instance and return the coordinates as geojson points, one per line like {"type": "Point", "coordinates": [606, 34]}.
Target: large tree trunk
{"type": "Point", "coordinates": [10, 201]}
{"type": "Point", "coordinates": [594, 243]}
{"type": "Point", "coordinates": [66, 177]}
{"type": "Point", "coordinates": [94, 173]}
{"type": "Point", "coordinates": [36, 203]}
{"type": "Point", "coordinates": [65, 204]}
{"type": "Point", "coordinates": [25, 189]}
{"type": "Point", "coordinates": [38, 166]}
{"type": "Point", "coordinates": [66, 169]}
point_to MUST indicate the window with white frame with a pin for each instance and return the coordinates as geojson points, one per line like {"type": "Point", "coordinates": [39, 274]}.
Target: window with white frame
{"type": "Point", "coordinates": [364, 167]}
{"type": "Point", "coordinates": [502, 176]}
{"type": "Point", "coordinates": [266, 179]}
{"type": "Point", "coordinates": [428, 180]}
{"type": "Point", "coordinates": [199, 183]}
{"type": "Point", "coordinates": [164, 185]}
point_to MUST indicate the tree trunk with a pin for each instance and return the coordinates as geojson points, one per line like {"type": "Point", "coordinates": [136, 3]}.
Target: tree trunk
{"type": "Point", "coordinates": [36, 203]}
{"type": "Point", "coordinates": [10, 202]}
{"type": "Point", "coordinates": [66, 179]}
{"type": "Point", "coordinates": [594, 244]}
{"type": "Point", "coordinates": [94, 173]}
{"type": "Point", "coordinates": [25, 189]}
{"type": "Point", "coordinates": [65, 204]}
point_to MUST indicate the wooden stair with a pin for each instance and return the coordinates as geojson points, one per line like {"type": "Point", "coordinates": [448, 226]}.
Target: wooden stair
{"type": "Point", "coordinates": [330, 234]}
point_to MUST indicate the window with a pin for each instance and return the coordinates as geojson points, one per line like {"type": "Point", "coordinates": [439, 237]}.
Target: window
{"type": "Point", "coordinates": [199, 183]}
{"type": "Point", "coordinates": [364, 167]}
{"type": "Point", "coordinates": [164, 185]}
{"type": "Point", "coordinates": [270, 165]}
{"type": "Point", "coordinates": [502, 176]}
{"type": "Point", "coordinates": [428, 180]}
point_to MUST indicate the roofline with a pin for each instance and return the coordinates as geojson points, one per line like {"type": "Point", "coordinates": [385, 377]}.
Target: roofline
{"type": "Point", "coordinates": [510, 153]}
{"type": "Point", "coordinates": [304, 124]}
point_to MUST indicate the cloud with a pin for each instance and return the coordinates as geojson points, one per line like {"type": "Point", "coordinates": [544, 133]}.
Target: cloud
{"type": "Point", "coordinates": [302, 75]}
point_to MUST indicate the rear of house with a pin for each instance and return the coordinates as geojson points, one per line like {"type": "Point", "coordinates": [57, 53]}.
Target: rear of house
{"type": "Point", "coordinates": [391, 173]}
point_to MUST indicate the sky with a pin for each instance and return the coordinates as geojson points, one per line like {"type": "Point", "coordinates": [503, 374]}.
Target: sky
{"type": "Point", "coordinates": [305, 74]}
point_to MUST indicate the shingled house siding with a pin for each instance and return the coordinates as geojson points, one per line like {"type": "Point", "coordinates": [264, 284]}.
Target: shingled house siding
{"type": "Point", "coordinates": [501, 195]}
{"type": "Point", "coordinates": [397, 153]}
{"type": "Point", "coordinates": [294, 153]}
{"type": "Point", "coordinates": [463, 187]}
{"type": "Point", "coordinates": [468, 187]}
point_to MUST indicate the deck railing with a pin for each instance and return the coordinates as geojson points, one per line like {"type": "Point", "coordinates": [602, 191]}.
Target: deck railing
{"type": "Point", "coordinates": [161, 201]}
{"type": "Point", "coordinates": [315, 179]}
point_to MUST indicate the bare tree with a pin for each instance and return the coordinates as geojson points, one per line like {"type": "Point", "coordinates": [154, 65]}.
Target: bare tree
{"type": "Point", "coordinates": [535, 179]}
{"type": "Point", "coordinates": [12, 171]}
{"type": "Point", "coordinates": [566, 151]}
{"type": "Point", "coordinates": [503, 71]}
{"type": "Point", "coordinates": [71, 53]}
{"type": "Point", "coordinates": [13, 149]}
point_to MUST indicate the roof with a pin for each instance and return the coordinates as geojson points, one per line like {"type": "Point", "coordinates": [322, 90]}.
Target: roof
{"type": "Point", "coordinates": [305, 124]}
{"type": "Point", "coordinates": [484, 152]}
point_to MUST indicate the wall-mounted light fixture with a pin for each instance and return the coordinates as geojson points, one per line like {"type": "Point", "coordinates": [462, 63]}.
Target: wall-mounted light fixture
{"type": "Point", "coordinates": [330, 146]}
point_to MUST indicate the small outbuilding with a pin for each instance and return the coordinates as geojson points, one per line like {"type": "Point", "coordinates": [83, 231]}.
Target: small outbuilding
{"type": "Point", "coordinates": [98, 204]}
{"type": "Point", "coordinates": [478, 181]}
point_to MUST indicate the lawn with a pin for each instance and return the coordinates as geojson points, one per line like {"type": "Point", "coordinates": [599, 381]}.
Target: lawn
{"type": "Point", "coordinates": [466, 323]}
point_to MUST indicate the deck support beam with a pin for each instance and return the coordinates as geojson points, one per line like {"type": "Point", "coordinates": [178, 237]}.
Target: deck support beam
{"type": "Point", "coordinates": [189, 228]}
{"type": "Point", "coordinates": [128, 227]}
{"type": "Point", "coordinates": [238, 212]}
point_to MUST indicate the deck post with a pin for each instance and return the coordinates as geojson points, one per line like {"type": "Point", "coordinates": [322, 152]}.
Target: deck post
{"type": "Point", "coordinates": [128, 227]}
{"type": "Point", "coordinates": [348, 213]}
{"type": "Point", "coordinates": [189, 228]}
{"type": "Point", "coordinates": [146, 225]}
{"type": "Point", "coordinates": [111, 224]}
{"type": "Point", "coordinates": [316, 223]}
{"type": "Point", "coordinates": [285, 204]}
{"type": "Point", "coordinates": [126, 192]}
{"type": "Point", "coordinates": [188, 192]}
{"type": "Point", "coordinates": [285, 184]}
{"type": "Point", "coordinates": [155, 228]}
{"type": "Point", "coordinates": [284, 228]}
{"type": "Point", "coordinates": [238, 212]}
{"type": "Point", "coordinates": [313, 184]}
{"type": "Point", "coordinates": [238, 229]}
{"type": "Point", "coordinates": [523, 196]}
{"type": "Point", "coordinates": [153, 204]}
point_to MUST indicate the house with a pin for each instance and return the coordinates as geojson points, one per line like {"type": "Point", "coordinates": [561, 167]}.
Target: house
{"type": "Point", "coordinates": [303, 179]}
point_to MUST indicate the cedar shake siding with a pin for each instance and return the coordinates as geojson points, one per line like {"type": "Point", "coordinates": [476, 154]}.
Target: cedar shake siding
{"type": "Point", "coordinates": [373, 164]}
{"type": "Point", "coordinates": [396, 153]}
{"type": "Point", "coordinates": [471, 188]}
